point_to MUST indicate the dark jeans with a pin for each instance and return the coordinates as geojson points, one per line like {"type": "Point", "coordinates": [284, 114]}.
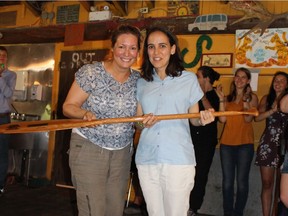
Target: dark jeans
{"type": "Point", "coordinates": [4, 151]}
{"type": "Point", "coordinates": [204, 153]}
{"type": "Point", "coordinates": [235, 160]}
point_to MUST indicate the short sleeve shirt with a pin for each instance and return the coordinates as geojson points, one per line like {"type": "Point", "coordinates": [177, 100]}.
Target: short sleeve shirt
{"type": "Point", "coordinates": [108, 99]}
{"type": "Point", "coordinates": [168, 141]}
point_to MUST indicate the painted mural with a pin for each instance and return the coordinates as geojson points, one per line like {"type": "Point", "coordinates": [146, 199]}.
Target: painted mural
{"type": "Point", "coordinates": [267, 51]}
{"type": "Point", "coordinates": [182, 8]}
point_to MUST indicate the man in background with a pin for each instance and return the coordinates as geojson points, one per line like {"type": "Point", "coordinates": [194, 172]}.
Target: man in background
{"type": "Point", "coordinates": [7, 86]}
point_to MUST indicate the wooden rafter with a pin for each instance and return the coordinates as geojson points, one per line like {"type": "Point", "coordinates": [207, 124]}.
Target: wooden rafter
{"type": "Point", "coordinates": [34, 7]}
{"type": "Point", "coordinates": [119, 6]}
{"type": "Point", "coordinates": [56, 33]}
{"type": "Point", "coordinates": [87, 4]}
{"type": "Point", "coordinates": [150, 4]}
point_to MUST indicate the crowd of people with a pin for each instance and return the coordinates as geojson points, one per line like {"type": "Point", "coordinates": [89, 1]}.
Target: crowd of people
{"type": "Point", "coordinates": [173, 157]}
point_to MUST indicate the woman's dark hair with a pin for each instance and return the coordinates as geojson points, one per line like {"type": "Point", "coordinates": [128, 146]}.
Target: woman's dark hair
{"type": "Point", "coordinates": [126, 29]}
{"type": "Point", "coordinates": [232, 95]}
{"type": "Point", "coordinates": [175, 65]}
{"type": "Point", "coordinates": [272, 94]}
{"type": "Point", "coordinates": [209, 72]}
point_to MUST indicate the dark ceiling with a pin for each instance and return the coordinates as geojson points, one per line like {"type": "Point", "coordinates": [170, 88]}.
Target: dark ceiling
{"type": "Point", "coordinates": [8, 3]}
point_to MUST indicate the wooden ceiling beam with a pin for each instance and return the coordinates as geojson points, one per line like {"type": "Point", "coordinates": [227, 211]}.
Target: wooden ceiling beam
{"type": "Point", "coordinates": [34, 7]}
{"type": "Point", "coordinates": [56, 33]}
{"type": "Point", "coordinates": [150, 4]}
{"type": "Point", "coordinates": [87, 5]}
{"type": "Point", "coordinates": [118, 6]}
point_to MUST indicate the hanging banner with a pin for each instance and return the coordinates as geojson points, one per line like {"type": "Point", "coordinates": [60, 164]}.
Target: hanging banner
{"type": "Point", "coordinates": [267, 51]}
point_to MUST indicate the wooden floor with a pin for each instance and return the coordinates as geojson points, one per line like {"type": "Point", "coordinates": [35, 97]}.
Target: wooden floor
{"type": "Point", "coordinates": [19, 199]}
{"type": "Point", "coordinates": [48, 200]}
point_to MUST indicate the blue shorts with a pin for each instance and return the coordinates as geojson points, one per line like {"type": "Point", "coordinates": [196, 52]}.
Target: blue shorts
{"type": "Point", "coordinates": [284, 168]}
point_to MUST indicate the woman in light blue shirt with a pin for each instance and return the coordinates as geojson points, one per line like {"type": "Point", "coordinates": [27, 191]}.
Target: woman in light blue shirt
{"type": "Point", "coordinates": [165, 156]}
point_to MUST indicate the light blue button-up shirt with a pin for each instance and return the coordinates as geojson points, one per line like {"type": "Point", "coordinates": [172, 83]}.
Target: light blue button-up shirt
{"type": "Point", "coordinates": [7, 86]}
{"type": "Point", "coordinates": [168, 141]}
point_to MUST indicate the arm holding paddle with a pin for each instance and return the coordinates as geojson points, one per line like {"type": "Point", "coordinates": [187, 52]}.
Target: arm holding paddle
{"type": "Point", "coordinates": [196, 118]}
{"type": "Point", "coordinates": [72, 105]}
{"type": "Point", "coordinates": [148, 121]}
{"type": "Point", "coordinates": [206, 116]}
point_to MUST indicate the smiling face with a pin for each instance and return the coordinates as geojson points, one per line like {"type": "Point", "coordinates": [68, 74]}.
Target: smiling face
{"type": "Point", "coordinates": [125, 51]}
{"type": "Point", "coordinates": [159, 50]}
{"type": "Point", "coordinates": [241, 79]}
{"type": "Point", "coordinates": [280, 84]}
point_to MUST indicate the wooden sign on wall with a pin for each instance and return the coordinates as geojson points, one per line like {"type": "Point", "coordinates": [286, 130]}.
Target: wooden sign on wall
{"type": "Point", "coordinates": [67, 14]}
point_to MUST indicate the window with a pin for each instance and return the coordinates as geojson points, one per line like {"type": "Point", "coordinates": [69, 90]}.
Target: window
{"type": "Point", "coordinates": [198, 19]}
{"type": "Point", "coordinates": [216, 18]}
{"type": "Point", "coordinates": [204, 18]}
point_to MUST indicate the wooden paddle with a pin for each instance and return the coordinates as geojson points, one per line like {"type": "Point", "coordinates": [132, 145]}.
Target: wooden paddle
{"type": "Point", "coordinates": [63, 124]}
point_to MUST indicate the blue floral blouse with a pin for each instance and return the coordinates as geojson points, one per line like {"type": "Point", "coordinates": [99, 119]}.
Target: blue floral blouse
{"type": "Point", "coordinates": [108, 99]}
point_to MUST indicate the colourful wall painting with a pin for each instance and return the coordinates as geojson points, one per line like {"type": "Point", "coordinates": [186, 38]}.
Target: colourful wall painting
{"type": "Point", "coordinates": [267, 51]}
{"type": "Point", "coordinates": [182, 8]}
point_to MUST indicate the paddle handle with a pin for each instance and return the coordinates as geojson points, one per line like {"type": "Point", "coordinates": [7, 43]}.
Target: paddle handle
{"type": "Point", "coordinates": [63, 124]}
{"type": "Point", "coordinates": [253, 112]}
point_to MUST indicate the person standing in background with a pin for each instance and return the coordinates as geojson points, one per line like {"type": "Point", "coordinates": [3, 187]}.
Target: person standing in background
{"type": "Point", "coordinates": [284, 168]}
{"type": "Point", "coordinates": [100, 156]}
{"type": "Point", "coordinates": [268, 155]}
{"type": "Point", "coordinates": [237, 142]}
{"type": "Point", "coordinates": [204, 144]}
{"type": "Point", "coordinates": [7, 87]}
{"type": "Point", "coordinates": [165, 156]}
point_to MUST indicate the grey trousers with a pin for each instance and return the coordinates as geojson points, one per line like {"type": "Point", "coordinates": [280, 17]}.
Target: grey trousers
{"type": "Point", "coordinates": [100, 177]}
